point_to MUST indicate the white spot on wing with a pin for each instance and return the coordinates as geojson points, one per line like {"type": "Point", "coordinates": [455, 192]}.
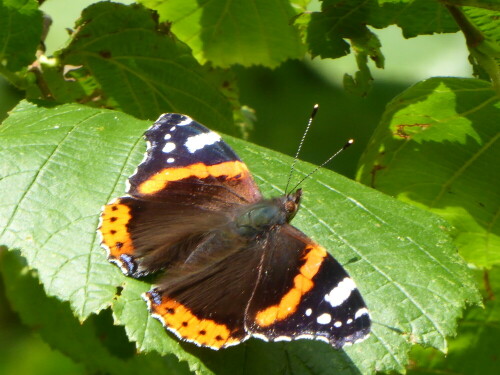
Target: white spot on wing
{"type": "Point", "coordinates": [341, 292]}
{"type": "Point", "coordinates": [283, 338]}
{"type": "Point", "coordinates": [324, 318]}
{"type": "Point", "coordinates": [338, 324]}
{"type": "Point", "coordinates": [170, 160]}
{"type": "Point", "coordinates": [305, 336]}
{"type": "Point", "coordinates": [197, 142]}
{"type": "Point", "coordinates": [361, 312]}
{"type": "Point", "coordinates": [186, 121]}
{"type": "Point", "coordinates": [172, 128]}
{"type": "Point", "coordinates": [309, 312]}
{"type": "Point", "coordinates": [260, 336]}
{"type": "Point", "coordinates": [167, 136]}
{"type": "Point", "coordinates": [349, 321]}
{"type": "Point", "coordinates": [169, 147]}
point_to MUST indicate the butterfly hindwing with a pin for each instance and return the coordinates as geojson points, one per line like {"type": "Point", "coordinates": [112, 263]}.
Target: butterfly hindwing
{"type": "Point", "coordinates": [203, 300]}
{"type": "Point", "coordinates": [305, 293]}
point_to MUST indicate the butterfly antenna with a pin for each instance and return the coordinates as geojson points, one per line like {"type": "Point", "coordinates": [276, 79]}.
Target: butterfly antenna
{"type": "Point", "coordinates": [348, 143]}
{"type": "Point", "coordinates": [292, 168]}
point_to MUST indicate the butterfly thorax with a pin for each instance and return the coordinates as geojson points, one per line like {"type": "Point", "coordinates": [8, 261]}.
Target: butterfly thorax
{"type": "Point", "coordinates": [263, 215]}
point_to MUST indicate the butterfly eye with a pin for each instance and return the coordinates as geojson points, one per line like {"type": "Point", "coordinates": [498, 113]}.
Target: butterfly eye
{"type": "Point", "coordinates": [297, 196]}
{"type": "Point", "coordinates": [290, 206]}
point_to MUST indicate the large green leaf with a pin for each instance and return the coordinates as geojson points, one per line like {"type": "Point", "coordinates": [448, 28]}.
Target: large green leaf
{"type": "Point", "coordinates": [139, 67]}
{"type": "Point", "coordinates": [227, 32]}
{"type": "Point", "coordinates": [60, 165]}
{"type": "Point", "coordinates": [437, 146]}
{"type": "Point", "coordinates": [20, 34]}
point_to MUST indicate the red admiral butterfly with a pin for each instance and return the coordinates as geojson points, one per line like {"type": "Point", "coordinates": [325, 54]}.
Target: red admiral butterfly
{"type": "Point", "coordinates": [235, 267]}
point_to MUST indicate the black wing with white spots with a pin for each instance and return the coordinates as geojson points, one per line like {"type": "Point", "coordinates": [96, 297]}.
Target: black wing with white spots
{"type": "Point", "coordinates": [303, 292]}
{"type": "Point", "coordinates": [187, 162]}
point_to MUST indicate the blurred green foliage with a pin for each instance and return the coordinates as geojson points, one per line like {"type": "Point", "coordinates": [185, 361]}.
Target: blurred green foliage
{"type": "Point", "coordinates": [23, 351]}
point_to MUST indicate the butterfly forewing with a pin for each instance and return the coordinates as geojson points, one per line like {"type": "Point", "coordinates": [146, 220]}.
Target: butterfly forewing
{"type": "Point", "coordinates": [188, 182]}
{"type": "Point", "coordinates": [192, 164]}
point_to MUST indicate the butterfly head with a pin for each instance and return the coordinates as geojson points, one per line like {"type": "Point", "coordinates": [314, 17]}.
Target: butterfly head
{"type": "Point", "coordinates": [291, 204]}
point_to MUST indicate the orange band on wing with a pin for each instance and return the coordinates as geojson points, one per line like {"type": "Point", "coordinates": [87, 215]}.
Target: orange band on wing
{"type": "Point", "coordinates": [115, 235]}
{"type": "Point", "coordinates": [302, 283]}
{"type": "Point", "coordinates": [180, 320]}
{"type": "Point", "coordinates": [157, 182]}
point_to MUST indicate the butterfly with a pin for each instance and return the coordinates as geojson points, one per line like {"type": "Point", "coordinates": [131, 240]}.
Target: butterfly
{"type": "Point", "coordinates": [231, 265]}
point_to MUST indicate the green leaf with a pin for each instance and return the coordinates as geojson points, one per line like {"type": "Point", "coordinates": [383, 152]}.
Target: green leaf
{"type": "Point", "coordinates": [339, 20]}
{"type": "Point", "coordinates": [60, 165]}
{"type": "Point", "coordinates": [366, 46]}
{"type": "Point", "coordinates": [100, 346]}
{"type": "Point", "coordinates": [487, 22]}
{"type": "Point", "coordinates": [20, 34]}
{"type": "Point", "coordinates": [325, 37]}
{"type": "Point", "coordinates": [437, 147]}
{"type": "Point", "coordinates": [486, 4]}
{"type": "Point", "coordinates": [141, 68]}
{"type": "Point", "coordinates": [485, 48]}
{"type": "Point", "coordinates": [53, 192]}
{"type": "Point", "coordinates": [475, 349]}
{"type": "Point", "coordinates": [226, 32]}
{"type": "Point", "coordinates": [415, 17]}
